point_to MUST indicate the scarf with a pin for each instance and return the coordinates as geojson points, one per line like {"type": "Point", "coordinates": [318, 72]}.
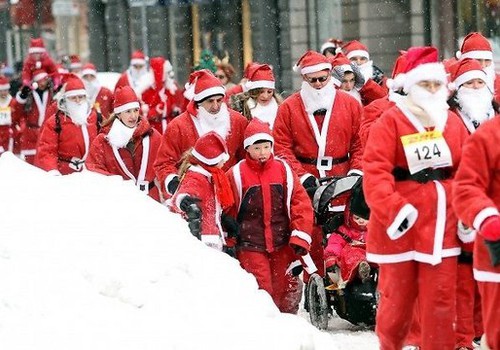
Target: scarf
{"type": "Point", "coordinates": [223, 190]}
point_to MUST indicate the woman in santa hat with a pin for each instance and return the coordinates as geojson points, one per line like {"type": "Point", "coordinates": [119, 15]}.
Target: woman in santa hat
{"type": "Point", "coordinates": [411, 155]}
{"type": "Point", "coordinates": [129, 146]}
{"type": "Point", "coordinates": [65, 137]}
{"type": "Point", "coordinates": [204, 191]}
{"type": "Point", "coordinates": [260, 100]}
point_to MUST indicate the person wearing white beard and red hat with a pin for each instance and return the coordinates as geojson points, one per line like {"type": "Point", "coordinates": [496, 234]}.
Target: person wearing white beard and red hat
{"type": "Point", "coordinates": [66, 136]}
{"type": "Point", "coordinates": [129, 147]}
{"type": "Point", "coordinates": [9, 123]}
{"type": "Point", "coordinates": [358, 53]}
{"type": "Point", "coordinates": [476, 46]}
{"type": "Point", "coordinates": [34, 102]}
{"type": "Point", "coordinates": [100, 97]}
{"type": "Point", "coordinates": [410, 158]}
{"type": "Point", "coordinates": [135, 72]}
{"type": "Point", "coordinates": [206, 112]}
{"type": "Point", "coordinates": [316, 132]}
{"type": "Point", "coordinates": [274, 216]}
{"type": "Point", "coordinates": [204, 191]}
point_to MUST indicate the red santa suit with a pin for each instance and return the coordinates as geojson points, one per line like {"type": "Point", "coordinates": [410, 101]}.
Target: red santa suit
{"type": "Point", "coordinates": [37, 59]}
{"type": "Point", "coordinates": [66, 136]}
{"type": "Point", "coordinates": [100, 97]}
{"type": "Point", "coordinates": [184, 130]}
{"type": "Point", "coordinates": [408, 170]}
{"type": "Point", "coordinates": [132, 76]}
{"type": "Point", "coordinates": [8, 118]}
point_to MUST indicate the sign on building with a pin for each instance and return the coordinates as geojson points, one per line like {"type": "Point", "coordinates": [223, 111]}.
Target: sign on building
{"type": "Point", "coordinates": [65, 8]}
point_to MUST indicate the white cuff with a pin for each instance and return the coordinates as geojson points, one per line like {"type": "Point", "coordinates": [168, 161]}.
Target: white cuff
{"type": "Point", "coordinates": [483, 215]}
{"type": "Point", "coordinates": [302, 235]}
{"type": "Point", "coordinates": [355, 172]}
{"type": "Point", "coordinates": [465, 234]}
{"type": "Point", "coordinates": [308, 264]}
{"type": "Point", "coordinates": [409, 212]}
{"type": "Point", "coordinates": [304, 177]}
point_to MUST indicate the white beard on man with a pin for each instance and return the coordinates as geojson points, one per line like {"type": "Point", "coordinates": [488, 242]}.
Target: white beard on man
{"type": "Point", "coordinates": [315, 99]}
{"type": "Point", "coordinates": [78, 112]}
{"type": "Point", "coordinates": [119, 134]}
{"type": "Point", "coordinates": [92, 88]}
{"type": "Point", "coordinates": [433, 104]}
{"type": "Point", "coordinates": [136, 74]}
{"type": "Point", "coordinates": [366, 69]}
{"type": "Point", "coordinates": [490, 76]}
{"type": "Point", "coordinates": [219, 122]}
{"type": "Point", "coordinates": [476, 103]}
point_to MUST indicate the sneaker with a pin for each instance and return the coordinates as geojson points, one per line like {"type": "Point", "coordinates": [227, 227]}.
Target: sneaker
{"type": "Point", "coordinates": [364, 270]}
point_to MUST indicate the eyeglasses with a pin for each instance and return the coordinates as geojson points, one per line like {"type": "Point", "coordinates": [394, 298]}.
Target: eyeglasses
{"type": "Point", "coordinates": [221, 76]}
{"type": "Point", "coordinates": [321, 79]}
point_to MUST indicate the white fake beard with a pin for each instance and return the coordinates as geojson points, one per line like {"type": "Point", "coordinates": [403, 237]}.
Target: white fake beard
{"type": "Point", "coordinates": [136, 74]}
{"type": "Point", "coordinates": [315, 99]}
{"type": "Point", "coordinates": [355, 93]}
{"type": "Point", "coordinates": [434, 104]}
{"type": "Point", "coordinates": [476, 103]}
{"type": "Point", "coordinates": [92, 88]}
{"type": "Point", "coordinates": [119, 134]}
{"type": "Point", "coordinates": [170, 85]}
{"type": "Point", "coordinates": [366, 69]}
{"type": "Point", "coordinates": [78, 112]}
{"type": "Point", "coordinates": [490, 76]}
{"type": "Point", "coordinates": [264, 113]}
{"type": "Point", "coordinates": [220, 122]}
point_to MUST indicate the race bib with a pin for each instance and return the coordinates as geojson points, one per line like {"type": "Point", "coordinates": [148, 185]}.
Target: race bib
{"type": "Point", "coordinates": [5, 116]}
{"type": "Point", "coordinates": [426, 150]}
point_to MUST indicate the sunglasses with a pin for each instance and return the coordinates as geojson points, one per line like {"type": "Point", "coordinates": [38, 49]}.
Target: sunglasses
{"type": "Point", "coordinates": [319, 79]}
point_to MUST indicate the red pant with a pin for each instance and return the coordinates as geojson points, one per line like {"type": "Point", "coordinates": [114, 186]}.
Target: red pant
{"type": "Point", "coordinates": [400, 284]}
{"type": "Point", "coordinates": [469, 323]}
{"type": "Point", "coordinates": [490, 298]}
{"type": "Point", "coordinates": [270, 271]}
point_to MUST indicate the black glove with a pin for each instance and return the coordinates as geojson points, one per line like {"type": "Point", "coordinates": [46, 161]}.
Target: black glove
{"type": "Point", "coordinates": [311, 181]}
{"type": "Point", "coordinates": [230, 225]}
{"type": "Point", "coordinates": [186, 202]}
{"type": "Point", "coordinates": [25, 91]}
{"type": "Point", "coordinates": [404, 225]}
{"type": "Point", "coordinates": [297, 270]}
{"type": "Point", "coordinates": [189, 205]}
{"type": "Point", "coordinates": [172, 185]}
{"type": "Point", "coordinates": [494, 250]}
{"type": "Point", "coordinates": [298, 250]}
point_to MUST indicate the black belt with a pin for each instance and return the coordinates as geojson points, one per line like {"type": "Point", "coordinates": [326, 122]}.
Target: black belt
{"type": "Point", "coordinates": [314, 161]}
{"type": "Point", "coordinates": [68, 160]}
{"type": "Point", "coordinates": [33, 126]}
{"type": "Point", "coordinates": [423, 176]}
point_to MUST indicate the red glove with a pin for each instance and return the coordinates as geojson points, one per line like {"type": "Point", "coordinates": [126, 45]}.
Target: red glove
{"type": "Point", "coordinates": [490, 229]}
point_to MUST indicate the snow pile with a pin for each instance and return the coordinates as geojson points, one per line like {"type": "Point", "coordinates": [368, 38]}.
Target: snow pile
{"type": "Point", "coordinates": [89, 262]}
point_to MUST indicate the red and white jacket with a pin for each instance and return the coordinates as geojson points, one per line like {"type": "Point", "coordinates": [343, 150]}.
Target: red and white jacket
{"type": "Point", "coordinates": [104, 102]}
{"type": "Point", "coordinates": [8, 121]}
{"type": "Point", "coordinates": [432, 231]}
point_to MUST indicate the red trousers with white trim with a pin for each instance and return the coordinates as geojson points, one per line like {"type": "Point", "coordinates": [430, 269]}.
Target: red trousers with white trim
{"type": "Point", "coordinates": [490, 299]}
{"type": "Point", "coordinates": [400, 284]}
{"type": "Point", "coordinates": [270, 271]}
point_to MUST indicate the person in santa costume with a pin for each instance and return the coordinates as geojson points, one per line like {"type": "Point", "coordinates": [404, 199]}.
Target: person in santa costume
{"type": "Point", "coordinates": [316, 131]}
{"type": "Point", "coordinates": [66, 136]}
{"type": "Point", "coordinates": [353, 82]}
{"type": "Point", "coordinates": [261, 100]}
{"type": "Point", "coordinates": [411, 155]}
{"type": "Point", "coordinates": [74, 64]}
{"type": "Point", "coordinates": [273, 213]}
{"type": "Point", "coordinates": [129, 147]}
{"type": "Point", "coordinates": [100, 97]}
{"type": "Point", "coordinates": [331, 47]}
{"type": "Point", "coordinates": [38, 58]}
{"type": "Point", "coordinates": [34, 109]}
{"type": "Point", "coordinates": [135, 73]}
{"type": "Point", "coordinates": [206, 112]}
{"type": "Point", "coordinates": [9, 125]}
{"type": "Point", "coordinates": [204, 191]}
{"type": "Point", "coordinates": [358, 53]}
{"type": "Point", "coordinates": [476, 46]}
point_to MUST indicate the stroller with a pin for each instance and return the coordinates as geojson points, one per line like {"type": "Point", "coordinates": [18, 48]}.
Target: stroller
{"type": "Point", "coordinates": [354, 300]}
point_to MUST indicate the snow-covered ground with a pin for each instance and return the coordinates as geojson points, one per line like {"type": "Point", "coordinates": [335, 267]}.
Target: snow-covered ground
{"type": "Point", "coordinates": [89, 262]}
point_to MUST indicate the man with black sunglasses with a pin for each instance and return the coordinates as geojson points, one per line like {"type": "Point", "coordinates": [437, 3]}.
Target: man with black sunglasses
{"type": "Point", "coordinates": [316, 131]}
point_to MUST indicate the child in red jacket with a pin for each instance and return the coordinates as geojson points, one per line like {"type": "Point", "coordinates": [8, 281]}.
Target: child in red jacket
{"type": "Point", "coordinates": [274, 214]}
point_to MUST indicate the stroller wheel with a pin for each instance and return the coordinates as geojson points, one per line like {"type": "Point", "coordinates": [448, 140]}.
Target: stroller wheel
{"type": "Point", "coordinates": [318, 306]}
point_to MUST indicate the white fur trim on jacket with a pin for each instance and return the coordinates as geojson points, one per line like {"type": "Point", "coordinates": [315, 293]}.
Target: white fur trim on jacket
{"type": "Point", "coordinates": [486, 276]}
{"type": "Point", "coordinates": [465, 234]}
{"type": "Point", "coordinates": [409, 212]}
{"type": "Point", "coordinates": [483, 215]}
{"type": "Point", "coordinates": [302, 235]}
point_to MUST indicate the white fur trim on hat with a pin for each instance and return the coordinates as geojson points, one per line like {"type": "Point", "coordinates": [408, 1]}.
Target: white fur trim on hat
{"type": "Point", "coordinates": [75, 93]}
{"type": "Point", "coordinates": [397, 83]}
{"type": "Point", "coordinates": [88, 71]}
{"type": "Point", "coordinates": [216, 90]}
{"type": "Point", "coordinates": [327, 45]}
{"type": "Point", "coordinates": [316, 68]}
{"type": "Point", "coordinates": [210, 161]}
{"type": "Point", "coordinates": [362, 53]}
{"type": "Point", "coordinates": [126, 107]}
{"type": "Point", "coordinates": [40, 76]}
{"type": "Point", "coordinates": [472, 74]}
{"type": "Point", "coordinates": [137, 61]}
{"type": "Point", "coordinates": [266, 84]}
{"type": "Point", "coordinates": [36, 50]}
{"type": "Point", "coordinates": [346, 68]}
{"type": "Point", "coordinates": [256, 137]}
{"type": "Point", "coordinates": [426, 71]}
{"type": "Point", "coordinates": [485, 55]}
{"type": "Point", "coordinates": [5, 87]}
{"type": "Point", "coordinates": [76, 65]}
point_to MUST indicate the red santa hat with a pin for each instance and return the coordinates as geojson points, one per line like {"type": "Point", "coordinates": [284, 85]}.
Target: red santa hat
{"type": "Point", "coordinates": [39, 74]}
{"type": "Point", "coordinates": [36, 46]}
{"type": "Point", "coordinates": [125, 99]}
{"type": "Point", "coordinates": [75, 62]}
{"type": "Point", "coordinates": [330, 43]}
{"type": "Point", "coordinates": [260, 76]}
{"type": "Point", "coordinates": [60, 69]}
{"type": "Point", "coordinates": [4, 83]}
{"type": "Point", "coordinates": [341, 61]}
{"type": "Point", "coordinates": [210, 149]}
{"type": "Point", "coordinates": [255, 131]}
{"type": "Point", "coordinates": [203, 83]}
{"type": "Point", "coordinates": [137, 57]}
{"type": "Point", "coordinates": [74, 86]}
{"type": "Point", "coordinates": [311, 62]}
{"type": "Point", "coordinates": [465, 70]}
{"type": "Point", "coordinates": [422, 63]}
{"type": "Point", "coordinates": [158, 67]}
{"type": "Point", "coordinates": [355, 48]}
{"type": "Point", "coordinates": [398, 76]}
{"type": "Point", "coordinates": [475, 45]}
{"type": "Point", "coordinates": [89, 69]}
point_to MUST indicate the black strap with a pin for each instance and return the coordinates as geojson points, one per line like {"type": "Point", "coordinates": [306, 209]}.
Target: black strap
{"type": "Point", "coordinates": [68, 160]}
{"type": "Point", "coordinates": [58, 128]}
{"type": "Point", "coordinates": [314, 161]}
{"type": "Point", "coordinates": [423, 176]}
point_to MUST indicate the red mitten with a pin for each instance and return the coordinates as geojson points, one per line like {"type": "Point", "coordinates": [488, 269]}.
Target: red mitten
{"type": "Point", "coordinates": [490, 229]}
